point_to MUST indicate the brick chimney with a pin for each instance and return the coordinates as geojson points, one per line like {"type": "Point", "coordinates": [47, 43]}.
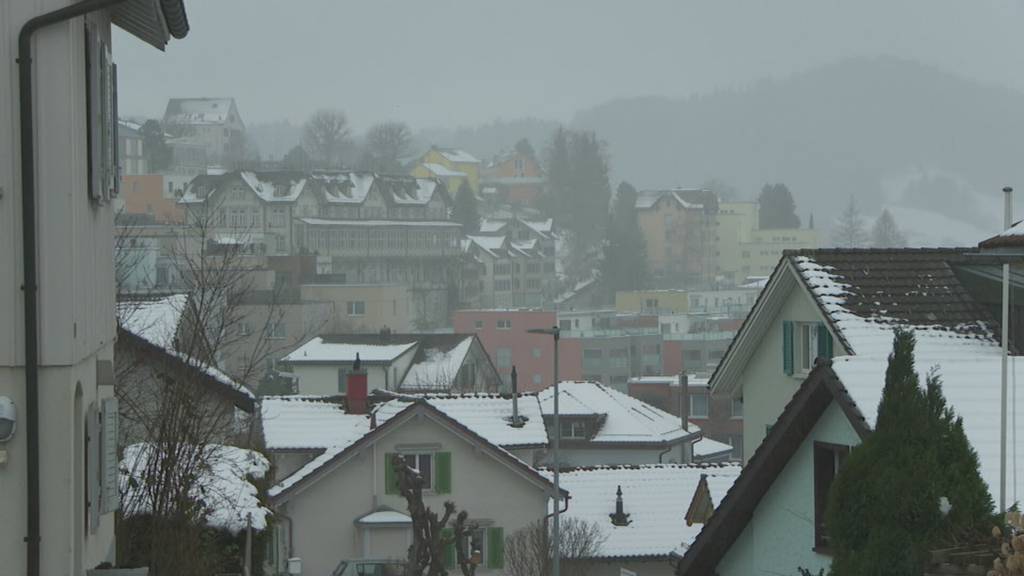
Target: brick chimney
{"type": "Point", "coordinates": [356, 393]}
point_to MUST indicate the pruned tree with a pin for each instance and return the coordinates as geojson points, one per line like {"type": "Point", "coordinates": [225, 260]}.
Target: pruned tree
{"type": "Point", "coordinates": [431, 534]}
{"type": "Point", "coordinates": [848, 231]}
{"type": "Point", "coordinates": [885, 233]}
{"type": "Point", "coordinates": [386, 144]}
{"type": "Point", "coordinates": [325, 136]}
{"type": "Point", "coordinates": [528, 551]}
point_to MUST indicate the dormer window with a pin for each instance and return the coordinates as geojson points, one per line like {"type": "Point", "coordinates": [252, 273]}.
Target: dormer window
{"type": "Point", "coordinates": [574, 429]}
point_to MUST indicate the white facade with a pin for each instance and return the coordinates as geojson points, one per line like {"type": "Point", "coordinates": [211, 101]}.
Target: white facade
{"type": "Point", "coordinates": [75, 297]}
{"type": "Point", "coordinates": [323, 511]}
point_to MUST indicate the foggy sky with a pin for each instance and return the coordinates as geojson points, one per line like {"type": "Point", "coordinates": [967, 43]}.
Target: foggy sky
{"type": "Point", "coordinates": [452, 63]}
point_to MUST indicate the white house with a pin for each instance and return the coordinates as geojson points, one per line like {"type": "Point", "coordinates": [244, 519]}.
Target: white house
{"type": "Point", "coordinates": [396, 362]}
{"type": "Point", "coordinates": [600, 425]}
{"type": "Point", "coordinates": [213, 122]}
{"type": "Point", "coordinates": [344, 504]}
{"type": "Point", "coordinates": [801, 415]}
{"type": "Point", "coordinates": [58, 469]}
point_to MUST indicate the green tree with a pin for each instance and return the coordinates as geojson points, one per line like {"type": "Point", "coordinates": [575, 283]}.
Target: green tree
{"type": "Point", "coordinates": [154, 146]}
{"type": "Point", "coordinates": [776, 208]}
{"type": "Point", "coordinates": [625, 251]}
{"type": "Point", "coordinates": [884, 514]}
{"type": "Point", "coordinates": [465, 209]}
{"type": "Point", "coordinates": [524, 148]}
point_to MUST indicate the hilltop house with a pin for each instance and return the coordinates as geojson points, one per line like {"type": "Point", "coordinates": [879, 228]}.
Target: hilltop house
{"type": "Point", "coordinates": [514, 177]}
{"type": "Point", "coordinates": [396, 362]}
{"type": "Point", "coordinates": [600, 425]}
{"type": "Point", "coordinates": [212, 122]}
{"type": "Point", "coordinates": [466, 448]}
{"type": "Point", "coordinates": [809, 363]}
{"type": "Point", "coordinates": [451, 166]}
{"type": "Point", "coordinates": [59, 182]}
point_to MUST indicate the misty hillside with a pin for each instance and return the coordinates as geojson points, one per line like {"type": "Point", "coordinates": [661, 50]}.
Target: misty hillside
{"type": "Point", "coordinates": [487, 140]}
{"type": "Point", "coordinates": [934, 148]}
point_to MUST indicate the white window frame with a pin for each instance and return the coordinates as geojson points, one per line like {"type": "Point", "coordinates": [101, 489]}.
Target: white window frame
{"type": "Point", "coordinates": [707, 405]}
{"type": "Point", "coordinates": [805, 346]}
{"type": "Point", "coordinates": [355, 308]}
{"type": "Point", "coordinates": [737, 414]}
{"type": "Point", "coordinates": [428, 485]}
{"type": "Point", "coordinates": [577, 430]}
{"type": "Point", "coordinates": [504, 324]}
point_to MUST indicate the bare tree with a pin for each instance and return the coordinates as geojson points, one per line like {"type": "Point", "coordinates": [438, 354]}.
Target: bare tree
{"type": "Point", "coordinates": [849, 228]}
{"type": "Point", "coordinates": [430, 532]}
{"type": "Point", "coordinates": [386, 144]}
{"type": "Point", "coordinates": [528, 551]}
{"type": "Point", "coordinates": [885, 233]}
{"type": "Point", "coordinates": [174, 396]}
{"type": "Point", "coordinates": [325, 137]}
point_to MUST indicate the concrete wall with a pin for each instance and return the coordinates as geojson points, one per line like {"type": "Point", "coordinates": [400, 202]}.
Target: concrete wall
{"type": "Point", "coordinates": [323, 513]}
{"type": "Point", "coordinates": [780, 536]}
{"type": "Point", "coordinates": [386, 306]}
{"type": "Point", "coordinates": [532, 354]}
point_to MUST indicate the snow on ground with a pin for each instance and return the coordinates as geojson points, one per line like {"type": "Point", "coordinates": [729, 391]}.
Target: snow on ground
{"type": "Point", "coordinates": [225, 487]}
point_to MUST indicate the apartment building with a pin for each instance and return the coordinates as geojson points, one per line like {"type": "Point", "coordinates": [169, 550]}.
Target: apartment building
{"type": "Point", "coordinates": [504, 334]}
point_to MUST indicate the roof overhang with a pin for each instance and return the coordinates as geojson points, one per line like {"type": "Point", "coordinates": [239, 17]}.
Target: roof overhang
{"type": "Point", "coordinates": [154, 22]}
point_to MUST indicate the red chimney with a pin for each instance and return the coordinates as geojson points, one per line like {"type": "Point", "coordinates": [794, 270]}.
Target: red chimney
{"type": "Point", "coordinates": [355, 396]}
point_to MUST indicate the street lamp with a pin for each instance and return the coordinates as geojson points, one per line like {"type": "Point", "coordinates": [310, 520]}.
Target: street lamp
{"type": "Point", "coordinates": [555, 540]}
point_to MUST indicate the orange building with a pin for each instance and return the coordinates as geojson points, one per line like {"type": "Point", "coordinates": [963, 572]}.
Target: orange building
{"type": "Point", "coordinates": [146, 194]}
{"type": "Point", "coordinates": [514, 177]}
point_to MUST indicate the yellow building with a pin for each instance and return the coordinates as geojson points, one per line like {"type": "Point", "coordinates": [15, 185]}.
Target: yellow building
{"type": "Point", "coordinates": [451, 166]}
{"type": "Point", "coordinates": [653, 301]}
{"type": "Point", "coordinates": [694, 240]}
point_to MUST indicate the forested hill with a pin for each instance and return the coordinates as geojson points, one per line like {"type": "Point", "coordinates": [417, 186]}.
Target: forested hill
{"type": "Point", "coordinates": [933, 147]}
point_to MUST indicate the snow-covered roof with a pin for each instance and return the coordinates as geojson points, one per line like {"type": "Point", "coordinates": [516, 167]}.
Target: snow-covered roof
{"type": "Point", "coordinates": [381, 223]}
{"type": "Point", "coordinates": [490, 244]}
{"type": "Point", "coordinates": [308, 422]}
{"type": "Point", "coordinates": [320, 350]}
{"type": "Point", "coordinates": [224, 487]}
{"type": "Point", "coordinates": [688, 198]}
{"type": "Point", "coordinates": [456, 155]}
{"type": "Point", "coordinates": [155, 321]}
{"type": "Point", "coordinates": [626, 419]}
{"type": "Point", "coordinates": [442, 171]}
{"type": "Point", "coordinates": [655, 496]}
{"type": "Point", "coordinates": [708, 448]}
{"type": "Point", "coordinates": [488, 415]}
{"type": "Point", "coordinates": [866, 316]}
{"type": "Point", "coordinates": [384, 516]}
{"type": "Point", "coordinates": [274, 191]}
{"type": "Point", "coordinates": [488, 226]}
{"type": "Point", "coordinates": [439, 367]}
{"type": "Point", "coordinates": [197, 111]}
{"type": "Point", "coordinates": [542, 227]}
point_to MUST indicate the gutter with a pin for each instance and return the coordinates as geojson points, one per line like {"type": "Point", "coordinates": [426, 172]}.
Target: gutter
{"type": "Point", "coordinates": [175, 15]}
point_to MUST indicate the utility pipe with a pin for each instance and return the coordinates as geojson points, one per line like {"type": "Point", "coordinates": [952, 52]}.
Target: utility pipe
{"type": "Point", "coordinates": [28, 239]}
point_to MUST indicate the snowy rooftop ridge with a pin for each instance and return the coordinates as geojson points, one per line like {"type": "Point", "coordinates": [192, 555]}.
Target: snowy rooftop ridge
{"type": "Point", "coordinates": [439, 368]}
{"type": "Point", "coordinates": [309, 423]}
{"type": "Point", "coordinates": [488, 415]}
{"type": "Point", "coordinates": [656, 497]}
{"type": "Point", "coordinates": [155, 321]}
{"type": "Point", "coordinates": [625, 419]}
{"type": "Point", "coordinates": [319, 350]}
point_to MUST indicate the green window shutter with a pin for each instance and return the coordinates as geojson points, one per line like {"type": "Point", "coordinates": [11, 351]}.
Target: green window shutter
{"type": "Point", "coordinates": [443, 472]}
{"type": "Point", "coordinates": [824, 341]}
{"type": "Point", "coordinates": [390, 478]}
{"type": "Point", "coordinates": [787, 347]}
{"type": "Point", "coordinates": [495, 547]}
{"type": "Point", "coordinates": [448, 540]}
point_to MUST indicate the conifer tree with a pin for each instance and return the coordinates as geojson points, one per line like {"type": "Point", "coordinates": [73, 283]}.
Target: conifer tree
{"type": "Point", "coordinates": [465, 210]}
{"type": "Point", "coordinates": [883, 513]}
{"type": "Point", "coordinates": [885, 233]}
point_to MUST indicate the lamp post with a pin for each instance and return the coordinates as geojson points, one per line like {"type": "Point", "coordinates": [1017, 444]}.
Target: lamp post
{"type": "Point", "coordinates": [1007, 223]}
{"type": "Point", "coordinates": [555, 539]}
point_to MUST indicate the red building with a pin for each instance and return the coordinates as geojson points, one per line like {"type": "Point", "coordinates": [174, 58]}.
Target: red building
{"type": "Point", "coordinates": [504, 336]}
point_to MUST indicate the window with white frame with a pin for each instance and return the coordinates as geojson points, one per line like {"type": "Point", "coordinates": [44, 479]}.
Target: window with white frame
{"type": "Point", "coordinates": [504, 324]}
{"type": "Point", "coordinates": [355, 308]}
{"type": "Point", "coordinates": [424, 463]}
{"type": "Point", "coordinates": [573, 429]}
{"type": "Point", "coordinates": [737, 407]}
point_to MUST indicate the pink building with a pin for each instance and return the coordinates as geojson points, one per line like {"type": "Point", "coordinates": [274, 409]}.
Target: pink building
{"type": "Point", "coordinates": [504, 336]}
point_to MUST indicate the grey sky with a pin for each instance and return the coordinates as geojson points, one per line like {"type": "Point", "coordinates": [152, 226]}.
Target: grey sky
{"type": "Point", "coordinates": [451, 63]}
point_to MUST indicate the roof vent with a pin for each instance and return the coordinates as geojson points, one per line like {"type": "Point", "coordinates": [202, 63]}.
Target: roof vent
{"type": "Point", "coordinates": [619, 518]}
